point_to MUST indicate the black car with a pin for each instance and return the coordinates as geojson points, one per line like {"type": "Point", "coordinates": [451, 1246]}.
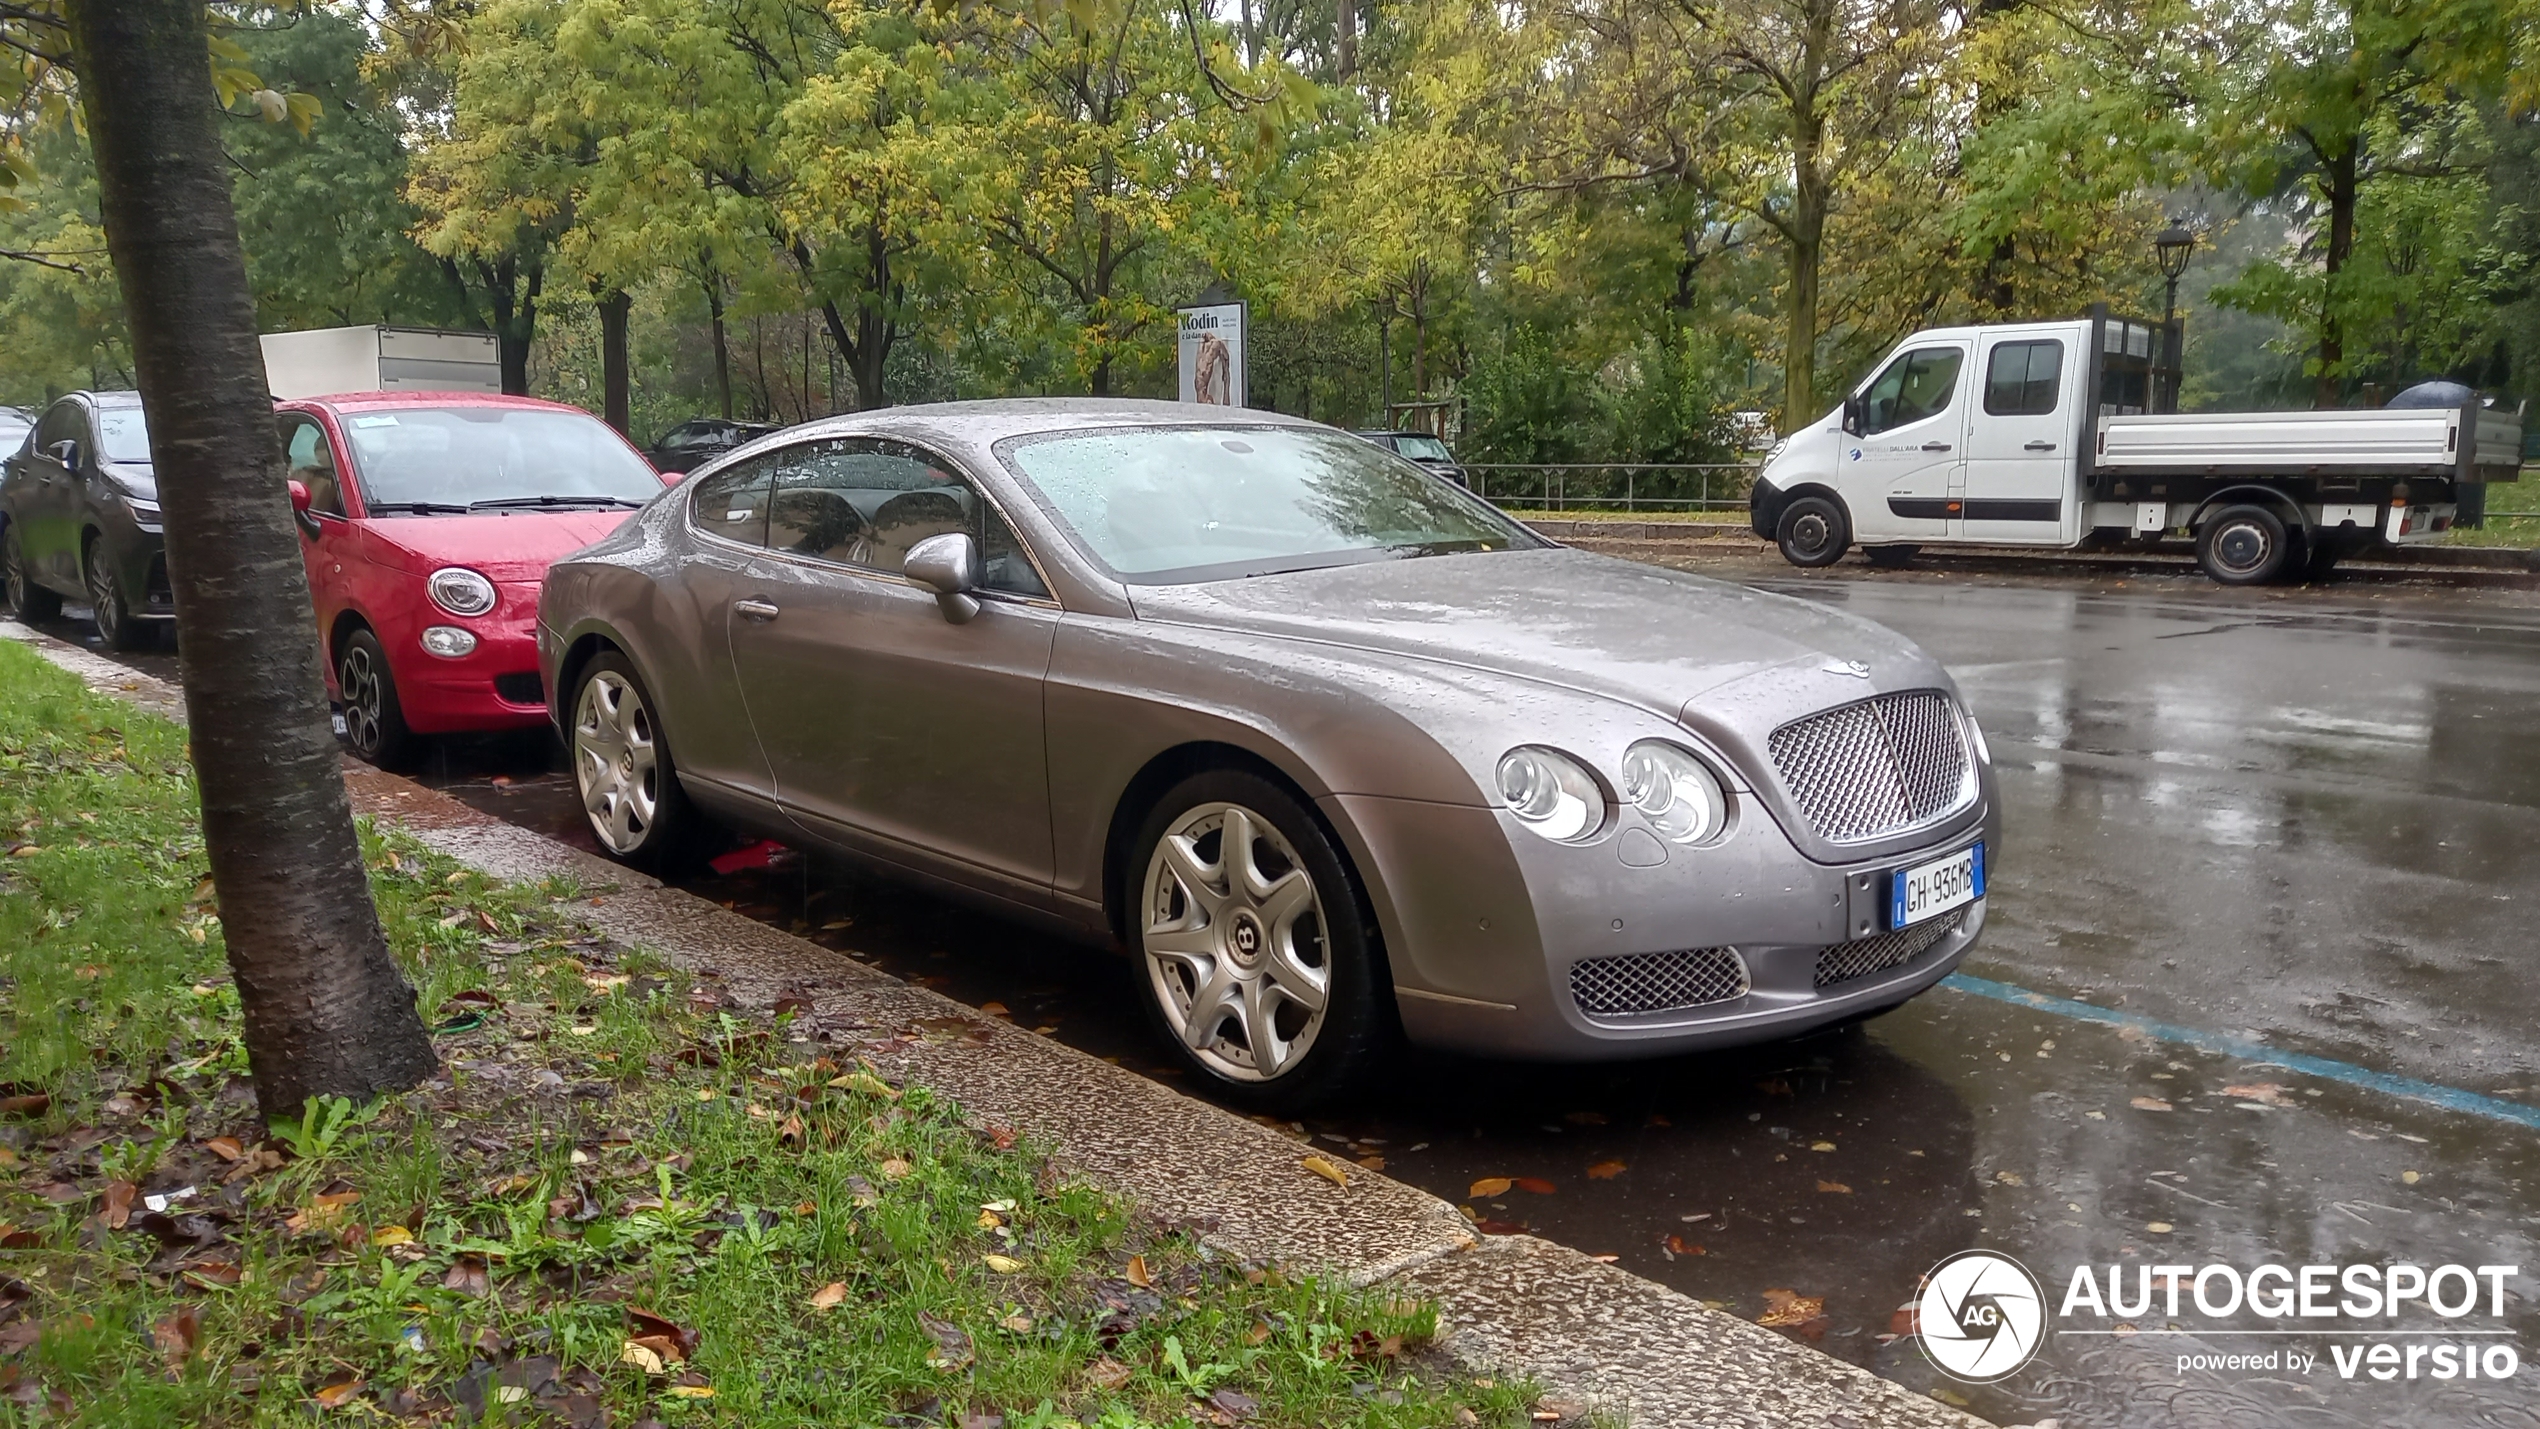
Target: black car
{"type": "Point", "coordinates": [79, 517]}
{"type": "Point", "coordinates": [688, 446]}
{"type": "Point", "coordinates": [1423, 448]}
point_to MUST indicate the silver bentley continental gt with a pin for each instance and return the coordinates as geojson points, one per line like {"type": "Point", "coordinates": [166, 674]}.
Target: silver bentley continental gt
{"type": "Point", "coordinates": [1336, 751]}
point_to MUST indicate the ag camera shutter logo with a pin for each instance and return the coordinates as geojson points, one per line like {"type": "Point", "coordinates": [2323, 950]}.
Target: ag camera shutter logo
{"type": "Point", "coordinates": [1981, 1316]}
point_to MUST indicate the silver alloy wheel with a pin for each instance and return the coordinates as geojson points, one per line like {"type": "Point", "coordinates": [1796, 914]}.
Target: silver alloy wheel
{"type": "Point", "coordinates": [1233, 932]}
{"type": "Point", "coordinates": [359, 679]}
{"type": "Point", "coordinates": [615, 763]}
{"type": "Point", "coordinates": [13, 578]}
{"type": "Point", "coordinates": [103, 607]}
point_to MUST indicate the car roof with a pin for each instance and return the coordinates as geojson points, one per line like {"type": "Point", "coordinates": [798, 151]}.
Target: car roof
{"type": "Point", "coordinates": [409, 401]}
{"type": "Point", "coordinates": [110, 397]}
{"type": "Point", "coordinates": [986, 422]}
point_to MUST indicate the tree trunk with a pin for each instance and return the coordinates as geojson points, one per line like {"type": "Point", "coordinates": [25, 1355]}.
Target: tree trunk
{"type": "Point", "coordinates": [616, 397]}
{"type": "Point", "coordinates": [515, 317]}
{"type": "Point", "coordinates": [326, 1010]}
{"type": "Point", "coordinates": [2338, 182]}
{"type": "Point", "coordinates": [1346, 34]}
{"type": "Point", "coordinates": [722, 344]}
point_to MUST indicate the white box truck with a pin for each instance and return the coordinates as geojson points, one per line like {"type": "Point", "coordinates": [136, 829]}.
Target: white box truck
{"type": "Point", "coordinates": [2053, 434]}
{"type": "Point", "coordinates": [325, 361]}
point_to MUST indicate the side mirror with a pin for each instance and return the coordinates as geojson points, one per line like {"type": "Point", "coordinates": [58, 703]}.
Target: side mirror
{"type": "Point", "coordinates": [948, 565]}
{"type": "Point", "coordinates": [66, 452]}
{"type": "Point", "coordinates": [1852, 415]}
{"type": "Point", "coordinates": [299, 496]}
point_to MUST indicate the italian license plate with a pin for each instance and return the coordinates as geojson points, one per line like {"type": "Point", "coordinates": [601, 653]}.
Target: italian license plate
{"type": "Point", "coordinates": [1930, 889]}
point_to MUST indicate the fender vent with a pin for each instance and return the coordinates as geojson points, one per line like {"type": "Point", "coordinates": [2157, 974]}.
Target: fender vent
{"type": "Point", "coordinates": [1657, 982]}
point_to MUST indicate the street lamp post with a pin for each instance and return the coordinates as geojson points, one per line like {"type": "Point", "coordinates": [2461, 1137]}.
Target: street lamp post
{"type": "Point", "coordinates": [2171, 248]}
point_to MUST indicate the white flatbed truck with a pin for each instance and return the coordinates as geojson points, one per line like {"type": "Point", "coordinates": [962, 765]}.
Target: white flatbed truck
{"type": "Point", "coordinates": [2052, 435]}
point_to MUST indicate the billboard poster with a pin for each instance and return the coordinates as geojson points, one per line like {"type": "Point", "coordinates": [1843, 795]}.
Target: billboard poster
{"type": "Point", "coordinates": [1213, 354]}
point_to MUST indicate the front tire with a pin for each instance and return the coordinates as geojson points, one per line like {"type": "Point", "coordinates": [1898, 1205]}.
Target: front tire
{"type": "Point", "coordinates": [623, 769]}
{"type": "Point", "coordinates": [1814, 532]}
{"type": "Point", "coordinates": [2243, 546]}
{"type": "Point", "coordinates": [107, 605]}
{"type": "Point", "coordinates": [374, 721]}
{"type": "Point", "coordinates": [29, 599]}
{"type": "Point", "coordinates": [1258, 960]}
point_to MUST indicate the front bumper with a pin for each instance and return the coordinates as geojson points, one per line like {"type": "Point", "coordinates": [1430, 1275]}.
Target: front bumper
{"type": "Point", "coordinates": [496, 686]}
{"type": "Point", "coordinates": [1764, 503]}
{"type": "Point", "coordinates": [1486, 922]}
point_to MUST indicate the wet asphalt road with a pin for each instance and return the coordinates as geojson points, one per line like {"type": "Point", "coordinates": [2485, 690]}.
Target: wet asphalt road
{"type": "Point", "coordinates": [2303, 818]}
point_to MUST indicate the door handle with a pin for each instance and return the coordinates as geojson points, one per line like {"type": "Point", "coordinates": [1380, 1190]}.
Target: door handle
{"type": "Point", "coordinates": [2041, 446]}
{"type": "Point", "coordinates": [1935, 446]}
{"type": "Point", "coordinates": [754, 609]}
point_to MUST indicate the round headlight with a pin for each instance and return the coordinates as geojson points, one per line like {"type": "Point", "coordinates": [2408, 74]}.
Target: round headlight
{"type": "Point", "coordinates": [460, 591]}
{"type": "Point", "coordinates": [448, 641]}
{"type": "Point", "coordinates": [1677, 793]}
{"type": "Point", "coordinates": [1551, 793]}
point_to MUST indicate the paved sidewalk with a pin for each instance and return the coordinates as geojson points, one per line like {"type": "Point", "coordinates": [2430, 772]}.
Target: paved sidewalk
{"type": "Point", "coordinates": [1604, 1343]}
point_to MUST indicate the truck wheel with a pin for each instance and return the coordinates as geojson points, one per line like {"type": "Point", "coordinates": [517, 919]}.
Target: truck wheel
{"type": "Point", "coordinates": [1814, 532]}
{"type": "Point", "coordinates": [2243, 545]}
{"type": "Point", "coordinates": [1892, 557]}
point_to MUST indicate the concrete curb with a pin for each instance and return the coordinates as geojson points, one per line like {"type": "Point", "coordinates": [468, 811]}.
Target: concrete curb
{"type": "Point", "coordinates": [1600, 1340]}
{"type": "Point", "coordinates": [1691, 533]}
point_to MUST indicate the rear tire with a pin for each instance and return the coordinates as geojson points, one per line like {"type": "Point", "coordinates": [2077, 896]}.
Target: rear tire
{"type": "Point", "coordinates": [1894, 558]}
{"type": "Point", "coordinates": [107, 605]}
{"type": "Point", "coordinates": [374, 721]}
{"type": "Point", "coordinates": [1814, 532]}
{"type": "Point", "coordinates": [2243, 546]}
{"type": "Point", "coordinates": [1235, 949]}
{"type": "Point", "coordinates": [624, 771]}
{"type": "Point", "coordinates": [29, 600]}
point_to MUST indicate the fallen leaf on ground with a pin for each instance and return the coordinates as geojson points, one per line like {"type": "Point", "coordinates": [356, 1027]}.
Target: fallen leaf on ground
{"type": "Point", "coordinates": [339, 1391]}
{"type": "Point", "coordinates": [1834, 1188]}
{"type": "Point", "coordinates": [868, 1083]}
{"type": "Point", "coordinates": [1533, 1185]}
{"type": "Point", "coordinates": [1821, 1146]}
{"type": "Point", "coordinates": [1605, 1170]}
{"type": "Point", "coordinates": [213, 1275]}
{"type": "Point", "coordinates": [1371, 1163]}
{"type": "Point", "coordinates": [467, 1276]}
{"type": "Point", "coordinates": [828, 1296]}
{"type": "Point", "coordinates": [392, 1235]}
{"type": "Point", "coordinates": [1107, 1373]}
{"type": "Point", "coordinates": [1137, 1272]}
{"type": "Point", "coordinates": [1787, 1309]}
{"type": "Point", "coordinates": [176, 1335]}
{"type": "Point", "coordinates": [690, 1391]}
{"type": "Point", "coordinates": [894, 1169]}
{"type": "Point", "coordinates": [2160, 1227]}
{"type": "Point", "coordinates": [682, 1341]}
{"type": "Point", "coordinates": [1235, 1402]}
{"type": "Point", "coordinates": [642, 1356]}
{"type": "Point", "coordinates": [115, 1206]}
{"type": "Point", "coordinates": [952, 1345]}
{"type": "Point", "coordinates": [226, 1148]}
{"type": "Point", "coordinates": [1490, 1186]}
{"type": "Point", "coordinates": [1329, 1170]}
{"type": "Point", "coordinates": [26, 1104]}
{"type": "Point", "coordinates": [2149, 1104]}
{"type": "Point", "coordinates": [1678, 1245]}
{"type": "Point", "coordinates": [1488, 1226]}
{"type": "Point", "coordinates": [1001, 1264]}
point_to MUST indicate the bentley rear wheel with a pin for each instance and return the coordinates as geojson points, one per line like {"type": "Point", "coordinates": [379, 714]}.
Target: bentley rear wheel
{"type": "Point", "coordinates": [1256, 956]}
{"type": "Point", "coordinates": [622, 768]}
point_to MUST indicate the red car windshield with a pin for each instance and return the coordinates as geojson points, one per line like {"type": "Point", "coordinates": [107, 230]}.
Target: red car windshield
{"type": "Point", "coordinates": [426, 460]}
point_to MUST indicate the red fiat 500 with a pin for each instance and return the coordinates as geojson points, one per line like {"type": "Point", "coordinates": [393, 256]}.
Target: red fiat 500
{"type": "Point", "coordinates": [428, 520]}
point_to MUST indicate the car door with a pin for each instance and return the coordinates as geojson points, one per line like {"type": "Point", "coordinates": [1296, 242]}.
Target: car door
{"type": "Point", "coordinates": [888, 728]}
{"type": "Point", "coordinates": [309, 458]}
{"type": "Point", "coordinates": [49, 505]}
{"type": "Point", "coordinates": [724, 561]}
{"type": "Point", "coordinates": [2020, 431]}
{"type": "Point", "coordinates": [1900, 468]}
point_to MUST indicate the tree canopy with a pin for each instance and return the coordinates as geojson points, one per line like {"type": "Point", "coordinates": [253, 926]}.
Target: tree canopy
{"type": "Point", "coordinates": [1633, 230]}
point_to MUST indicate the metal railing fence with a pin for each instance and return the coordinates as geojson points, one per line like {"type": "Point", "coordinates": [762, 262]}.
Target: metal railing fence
{"type": "Point", "coordinates": [1613, 485]}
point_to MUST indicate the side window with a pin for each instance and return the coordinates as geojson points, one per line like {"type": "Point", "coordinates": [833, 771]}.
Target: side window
{"type": "Point", "coordinates": [732, 503]}
{"type": "Point", "coordinates": [61, 424]}
{"type": "Point", "coordinates": [865, 502]}
{"type": "Point", "coordinates": [2021, 377]}
{"type": "Point", "coordinates": [311, 462]}
{"type": "Point", "coordinates": [1916, 385]}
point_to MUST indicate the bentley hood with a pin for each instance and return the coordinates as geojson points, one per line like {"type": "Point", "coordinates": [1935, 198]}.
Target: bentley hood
{"type": "Point", "coordinates": [1678, 645]}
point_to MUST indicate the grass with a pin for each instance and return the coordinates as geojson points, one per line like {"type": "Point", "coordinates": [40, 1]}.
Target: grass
{"type": "Point", "coordinates": [2513, 515]}
{"type": "Point", "coordinates": [626, 1203]}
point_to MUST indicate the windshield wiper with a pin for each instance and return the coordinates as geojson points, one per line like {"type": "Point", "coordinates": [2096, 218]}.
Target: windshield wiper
{"type": "Point", "coordinates": [501, 502]}
{"type": "Point", "coordinates": [419, 508]}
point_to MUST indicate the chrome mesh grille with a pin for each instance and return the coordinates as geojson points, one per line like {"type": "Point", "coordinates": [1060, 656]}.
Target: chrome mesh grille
{"type": "Point", "coordinates": [1657, 982]}
{"type": "Point", "coordinates": [1878, 767]}
{"type": "Point", "coordinates": [1863, 956]}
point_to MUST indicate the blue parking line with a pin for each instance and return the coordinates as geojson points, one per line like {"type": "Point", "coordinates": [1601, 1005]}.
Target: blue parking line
{"type": "Point", "coordinates": [2431, 1093]}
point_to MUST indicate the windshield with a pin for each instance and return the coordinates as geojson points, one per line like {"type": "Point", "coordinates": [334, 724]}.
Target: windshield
{"type": "Point", "coordinates": [1199, 503]}
{"type": "Point", "coordinates": [1423, 448]}
{"type": "Point", "coordinates": [463, 458]}
{"type": "Point", "coordinates": [122, 435]}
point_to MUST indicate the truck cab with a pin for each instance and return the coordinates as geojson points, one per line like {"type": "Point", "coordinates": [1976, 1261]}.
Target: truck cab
{"type": "Point", "coordinates": [2054, 434]}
